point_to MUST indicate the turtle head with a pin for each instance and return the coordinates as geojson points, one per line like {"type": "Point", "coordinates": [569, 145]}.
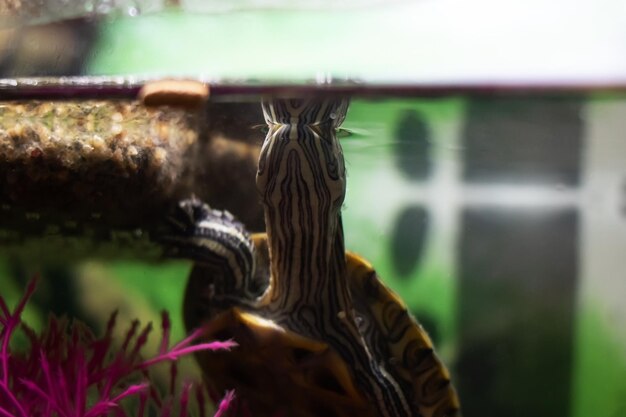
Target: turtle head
{"type": "Point", "coordinates": [301, 176]}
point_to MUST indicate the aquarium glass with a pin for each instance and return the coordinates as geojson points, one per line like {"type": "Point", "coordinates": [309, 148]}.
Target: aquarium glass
{"type": "Point", "coordinates": [495, 207]}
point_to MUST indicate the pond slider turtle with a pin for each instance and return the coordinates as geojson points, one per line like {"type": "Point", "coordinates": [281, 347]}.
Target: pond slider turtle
{"type": "Point", "coordinates": [319, 334]}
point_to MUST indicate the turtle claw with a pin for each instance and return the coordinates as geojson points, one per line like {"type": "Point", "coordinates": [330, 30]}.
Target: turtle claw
{"type": "Point", "coordinates": [180, 225]}
{"type": "Point", "coordinates": [188, 213]}
{"type": "Point", "coordinates": [195, 231]}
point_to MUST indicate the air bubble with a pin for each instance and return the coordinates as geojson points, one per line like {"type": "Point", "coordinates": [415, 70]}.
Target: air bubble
{"type": "Point", "coordinates": [133, 11]}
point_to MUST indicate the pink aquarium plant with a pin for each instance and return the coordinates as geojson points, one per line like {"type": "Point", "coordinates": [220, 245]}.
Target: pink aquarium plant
{"type": "Point", "coordinates": [66, 371]}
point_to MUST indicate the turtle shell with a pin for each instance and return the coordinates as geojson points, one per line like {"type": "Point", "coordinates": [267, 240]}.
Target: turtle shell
{"type": "Point", "coordinates": [277, 370]}
{"type": "Point", "coordinates": [394, 336]}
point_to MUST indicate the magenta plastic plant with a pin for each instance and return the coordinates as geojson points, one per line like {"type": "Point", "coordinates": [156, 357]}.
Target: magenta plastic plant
{"type": "Point", "coordinates": [66, 371]}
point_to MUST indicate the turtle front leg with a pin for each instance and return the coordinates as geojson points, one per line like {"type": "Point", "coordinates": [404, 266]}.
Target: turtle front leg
{"type": "Point", "coordinates": [223, 253]}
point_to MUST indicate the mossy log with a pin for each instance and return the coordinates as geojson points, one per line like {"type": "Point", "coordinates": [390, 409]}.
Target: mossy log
{"type": "Point", "coordinates": [97, 177]}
